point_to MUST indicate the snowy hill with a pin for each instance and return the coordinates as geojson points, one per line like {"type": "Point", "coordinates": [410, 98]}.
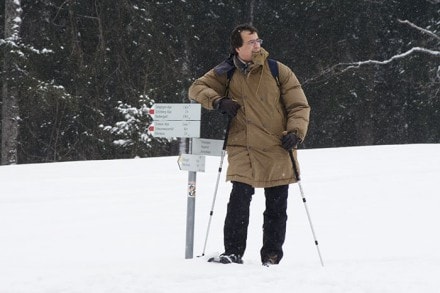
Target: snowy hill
{"type": "Point", "coordinates": [119, 226]}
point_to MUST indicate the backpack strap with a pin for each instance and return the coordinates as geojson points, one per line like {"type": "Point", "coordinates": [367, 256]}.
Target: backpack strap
{"type": "Point", "coordinates": [229, 75]}
{"type": "Point", "coordinates": [228, 67]}
{"type": "Point", "coordinates": [273, 66]}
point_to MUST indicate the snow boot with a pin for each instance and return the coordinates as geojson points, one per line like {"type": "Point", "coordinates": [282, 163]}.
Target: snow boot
{"type": "Point", "coordinates": [270, 260]}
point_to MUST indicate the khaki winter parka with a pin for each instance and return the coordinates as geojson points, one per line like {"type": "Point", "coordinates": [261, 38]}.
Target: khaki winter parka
{"type": "Point", "coordinates": [255, 154]}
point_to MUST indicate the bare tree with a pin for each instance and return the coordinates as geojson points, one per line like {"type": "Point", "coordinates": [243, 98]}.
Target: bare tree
{"type": "Point", "coordinates": [10, 91]}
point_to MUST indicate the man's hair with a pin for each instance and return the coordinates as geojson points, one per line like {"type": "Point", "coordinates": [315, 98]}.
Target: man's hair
{"type": "Point", "coordinates": [235, 40]}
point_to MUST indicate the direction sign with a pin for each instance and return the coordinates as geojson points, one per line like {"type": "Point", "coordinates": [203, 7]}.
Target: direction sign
{"type": "Point", "coordinates": [175, 129]}
{"type": "Point", "coordinates": [194, 163]}
{"type": "Point", "coordinates": [161, 112]}
{"type": "Point", "coordinates": [208, 147]}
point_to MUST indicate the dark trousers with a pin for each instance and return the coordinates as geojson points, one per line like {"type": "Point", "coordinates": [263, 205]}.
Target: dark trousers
{"type": "Point", "coordinates": [237, 220]}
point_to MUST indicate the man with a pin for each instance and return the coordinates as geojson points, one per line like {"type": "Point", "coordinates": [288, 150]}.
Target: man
{"type": "Point", "coordinates": [267, 122]}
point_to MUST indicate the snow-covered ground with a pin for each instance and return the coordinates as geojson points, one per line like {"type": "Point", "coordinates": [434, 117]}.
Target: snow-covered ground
{"type": "Point", "coordinates": [119, 226]}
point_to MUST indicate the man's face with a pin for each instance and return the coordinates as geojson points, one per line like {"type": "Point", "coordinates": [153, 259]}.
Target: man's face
{"type": "Point", "coordinates": [250, 45]}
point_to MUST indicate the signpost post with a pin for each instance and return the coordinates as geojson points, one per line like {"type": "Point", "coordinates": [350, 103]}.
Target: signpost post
{"type": "Point", "coordinates": [183, 120]}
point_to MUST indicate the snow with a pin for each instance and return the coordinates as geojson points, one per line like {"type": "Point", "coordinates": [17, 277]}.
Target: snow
{"type": "Point", "coordinates": [119, 226]}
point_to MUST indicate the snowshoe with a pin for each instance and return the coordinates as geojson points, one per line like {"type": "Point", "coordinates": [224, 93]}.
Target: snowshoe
{"type": "Point", "coordinates": [226, 259]}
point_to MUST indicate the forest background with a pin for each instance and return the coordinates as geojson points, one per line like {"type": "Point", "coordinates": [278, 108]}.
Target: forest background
{"type": "Point", "coordinates": [78, 76]}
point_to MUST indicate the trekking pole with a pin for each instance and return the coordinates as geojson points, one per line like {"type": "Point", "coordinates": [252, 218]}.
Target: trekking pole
{"type": "Point", "coordinates": [295, 170]}
{"type": "Point", "coordinates": [222, 156]}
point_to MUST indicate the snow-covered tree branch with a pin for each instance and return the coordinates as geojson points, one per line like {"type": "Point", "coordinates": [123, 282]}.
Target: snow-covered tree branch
{"type": "Point", "coordinates": [340, 68]}
{"type": "Point", "coordinates": [423, 30]}
{"type": "Point", "coordinates": [355, 65]}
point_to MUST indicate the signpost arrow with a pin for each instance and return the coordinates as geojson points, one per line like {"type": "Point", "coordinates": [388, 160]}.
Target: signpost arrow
{"type": "Point", "coordinates": [175, 128]}
{"type": "Point", "coordinates": [208, 147]}
{"type": "Point", "coordinates": [161, 112]}
{"type": "Point", "coordinates": [194, 163]}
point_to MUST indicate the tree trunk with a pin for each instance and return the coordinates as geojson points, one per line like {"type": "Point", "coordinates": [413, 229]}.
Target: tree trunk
{"type": "Point", "coordinates": [10, 91]}
{"type": "Point", "coordinates": [251, 11]}
{"type": "Point", "coordinates": [248, 11]}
